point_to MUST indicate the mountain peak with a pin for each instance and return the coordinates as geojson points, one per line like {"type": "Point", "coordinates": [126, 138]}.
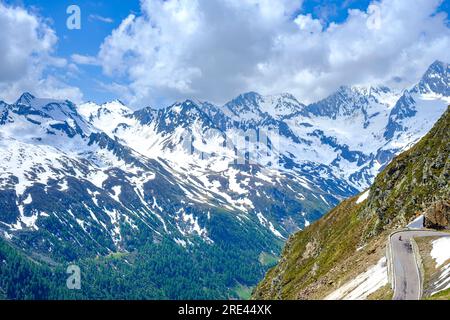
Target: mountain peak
{"type": "Point", "coordinates": [185, 109]}
{"type": "Point", "coordinates": [380, 89]}
{"type": "Point", "coordinates": [437, 68]}
{"type": "Point", "coordinates": [438, 64]}
{"type": "Point", "coordinates": [183, 106]}
{"type": "Point", "coordinates": [252, 106]}
{"type": "Point", "coordinates": [25, 98]}
{"type": "Point", "coordinates": [247, 97]}
{"type": "Point", "coordinates": [43, 104]}
{"type": "Point", "coordinates": [180, 114]}
{"type": "Point", "coordinates": [350, 92]}
{"type": "Point", "coordinates": [246, 103]}
{"type": "Point", "coordinates": [344, 101]}
{"type": "Point", "coordinates": [435, 80]}
{"type": "Point", "coordinates": [283, 96]}
{"type": "Point", "coordinates": [281, 105]}
{"type": "Point", "coordinates": [116, 106]}
{"type": "Point", "coordinates": [119, 102]}
{"type": "Point", "coordinates": [349, 100]}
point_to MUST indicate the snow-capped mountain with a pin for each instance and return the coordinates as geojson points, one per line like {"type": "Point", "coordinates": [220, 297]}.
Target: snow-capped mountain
{"type": "Point", "coordinates": [100, 181]}
{"type": "Point", "coordinates": [416, 110]}
{"type": "Point", "coordinates": [253, 107]}
{"type": "Point", "coordinates": [105, 178]}
{"type": "Point", "coordinates": [366, 127]}
{"type": "Point", "coordinates": [105, 116]}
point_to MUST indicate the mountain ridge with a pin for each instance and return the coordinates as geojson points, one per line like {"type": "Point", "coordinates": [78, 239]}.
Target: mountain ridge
{"type": "Point", "coordinates": [189, 176]}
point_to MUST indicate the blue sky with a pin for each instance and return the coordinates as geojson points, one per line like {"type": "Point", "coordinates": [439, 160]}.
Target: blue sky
{"type": "Point", "coordinates": [87, 40]}
{"type": "Point", "coordinates": [161, 66]}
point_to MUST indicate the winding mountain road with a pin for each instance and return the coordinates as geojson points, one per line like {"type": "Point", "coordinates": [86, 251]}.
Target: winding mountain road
{"type": "Point", "coordinates": [406, 275]}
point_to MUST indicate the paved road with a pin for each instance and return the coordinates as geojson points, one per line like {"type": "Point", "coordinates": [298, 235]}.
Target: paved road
{"type": "Point", "coordinates": [406, 274]}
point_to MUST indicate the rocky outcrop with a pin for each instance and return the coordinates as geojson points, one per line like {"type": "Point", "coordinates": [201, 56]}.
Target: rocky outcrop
{"type": "Point", "coordinates": [437, 216]}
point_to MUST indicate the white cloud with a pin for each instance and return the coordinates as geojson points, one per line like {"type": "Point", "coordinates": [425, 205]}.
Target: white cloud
{"type": "Point", "coordinates": [26, 54]}
{"type": "Point", "coordinates": [82, 59]}
{"type": "Point", "coordinates": [213, 49]}
{"type": "Point", "coordinates": [308, 24]}
{"type": "Point", "coordinates": [100, 18]}
{"type": "Point", "coordinates": [191, 48]}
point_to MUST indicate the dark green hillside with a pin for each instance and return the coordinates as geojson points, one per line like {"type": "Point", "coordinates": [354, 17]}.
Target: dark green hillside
{"type": "Point", "coordinates": [161, 270]}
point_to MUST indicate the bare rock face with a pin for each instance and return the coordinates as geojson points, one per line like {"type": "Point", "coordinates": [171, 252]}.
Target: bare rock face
{"type": "Point", "coordinates": [437, 216]}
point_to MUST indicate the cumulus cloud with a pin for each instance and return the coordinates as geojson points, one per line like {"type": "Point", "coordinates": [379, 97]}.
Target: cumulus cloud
{"type": "Point", "coordinates": [216, 49]}
{"type": "Point", "coordinates": [188, 48]}
{"type": "Point", "coordinates": [26, 54]}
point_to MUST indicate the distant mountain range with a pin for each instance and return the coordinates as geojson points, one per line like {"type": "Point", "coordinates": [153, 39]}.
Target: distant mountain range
{"type": "Point", "coordinates": [91, 180]}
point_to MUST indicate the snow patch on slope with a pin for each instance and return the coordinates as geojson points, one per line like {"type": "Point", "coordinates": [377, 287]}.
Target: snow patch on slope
{"type": "Point", "coordinates": [441, 250]}
{"type": "Point", "coordinates": [363, 197]}
{"type": "Point", "coordinates": [441, 254]}
{"type": "Point", "coordinates": [417, 223]}
{"type": "Point", "coordinates": [364, 284]}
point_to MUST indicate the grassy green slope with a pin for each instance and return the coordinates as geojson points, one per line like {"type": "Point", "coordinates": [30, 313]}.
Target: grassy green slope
{"type": "Point", "coordinates": [352, 236]}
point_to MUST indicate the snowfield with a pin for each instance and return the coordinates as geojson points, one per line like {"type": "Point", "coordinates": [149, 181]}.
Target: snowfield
{"type": "Point", "coordinates": [441, 250]}
{"type": "Point", "coordinates": [441, 254]}
{"type": "Point", "coordinates": [364, 284]}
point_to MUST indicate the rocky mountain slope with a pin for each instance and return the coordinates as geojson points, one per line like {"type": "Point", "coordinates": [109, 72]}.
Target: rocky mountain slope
{"type": "Point", "coordinates": [351, 238]}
